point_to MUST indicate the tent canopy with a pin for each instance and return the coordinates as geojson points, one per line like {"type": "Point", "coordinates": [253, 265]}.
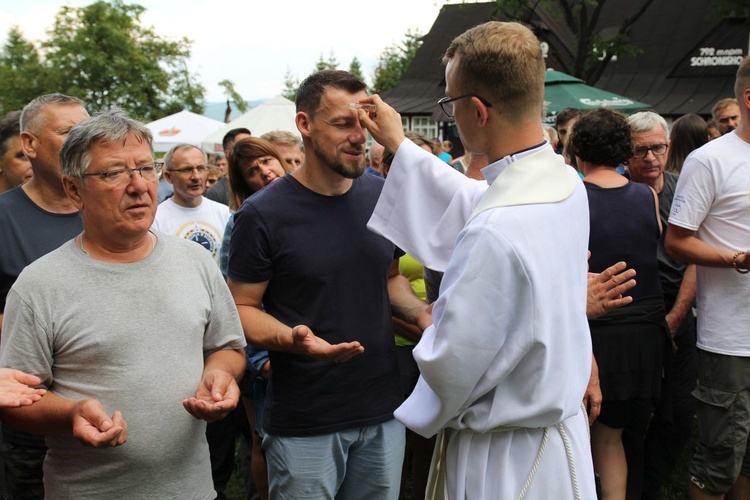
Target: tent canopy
{"type": "Point", "coordinates": [565, 91]}
{"type": "Point", "coordinates": [179, 128]}
{"type": "Point", "coordinates": [275, 114]}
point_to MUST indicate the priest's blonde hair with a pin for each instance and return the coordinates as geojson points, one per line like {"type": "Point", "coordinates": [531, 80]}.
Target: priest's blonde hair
{"type": "Point", "coordinates": [502, 63]}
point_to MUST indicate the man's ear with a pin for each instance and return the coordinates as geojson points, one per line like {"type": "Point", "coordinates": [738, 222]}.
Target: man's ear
{"type": "Point", "coordinates": [73, 190]}
{"type": "Point", "coordinates": [481, 112]}
{"type": "Point", "coordinates": [168, 176]}
{"type": "Point", "coordinates": [304, 123]}
{"type": "Point", "coordinates": [29, 143]}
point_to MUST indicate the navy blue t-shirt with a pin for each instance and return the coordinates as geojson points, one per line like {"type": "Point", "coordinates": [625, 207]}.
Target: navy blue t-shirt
{"type": "Point", "coordinates": [325, 270]}
{"type": "Point", "coordinates": [28, 232]}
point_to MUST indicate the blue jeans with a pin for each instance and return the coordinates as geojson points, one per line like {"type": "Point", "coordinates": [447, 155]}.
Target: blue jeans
{"type": "Point", "coordinates": [360, 463]}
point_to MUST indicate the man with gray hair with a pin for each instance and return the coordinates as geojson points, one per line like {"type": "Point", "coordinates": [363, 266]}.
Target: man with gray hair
{"type": "Point", "coordinates": [120, 362]}
{"type": "Point", "coordinates": [650, 461]}
{"type": "Point", "coordinates": [289, 146]}
{"type": "Point", "coordinates": [376, 158]}
{"type": "Point", "coordinates": [188, 214]}
{"type": "Point", "coordinates": [35, 219]}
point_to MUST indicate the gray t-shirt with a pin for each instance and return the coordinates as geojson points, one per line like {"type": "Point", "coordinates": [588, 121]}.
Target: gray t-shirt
{"type": "Point", "coordinates": [134, 337]}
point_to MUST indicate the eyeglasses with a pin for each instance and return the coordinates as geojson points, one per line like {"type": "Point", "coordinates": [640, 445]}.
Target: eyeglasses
{"type": "Point", "coordinates": [642, 151]}
{"type": "Point", "coordinates": [446, 103]}
{"type": "Point", "coordinates": [201, 169]}
{"type": "Point", "coordinates": [124, 175]}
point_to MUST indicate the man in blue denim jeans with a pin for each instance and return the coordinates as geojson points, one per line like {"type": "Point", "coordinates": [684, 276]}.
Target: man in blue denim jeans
{"type": "Point", "coordinates": [313, 286]}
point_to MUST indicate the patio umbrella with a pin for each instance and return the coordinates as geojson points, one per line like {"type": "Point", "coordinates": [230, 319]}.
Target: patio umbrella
{"type": "Point", "coordinates": [276, 113]}
{"type": "Point", "coordinates": [182, 127]}
{"type": "Point", "coordinates": [565, 91]}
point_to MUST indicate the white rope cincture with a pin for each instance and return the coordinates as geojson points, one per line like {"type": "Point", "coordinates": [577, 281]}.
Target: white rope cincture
{"type": "Point", "coordinates": [539, 454]}
{"type": "Point", "coordinates": [568, 453]}
{"type": "Point", "coordinates": [571, 463]}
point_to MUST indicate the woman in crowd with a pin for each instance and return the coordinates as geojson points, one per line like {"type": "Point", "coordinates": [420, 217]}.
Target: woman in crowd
{"type": "Point", "coordinates": [627, 342]}
{"type": "Point", "coordinates": [254, 163]}
{"type": "Point", "coordinates": [689, 132]}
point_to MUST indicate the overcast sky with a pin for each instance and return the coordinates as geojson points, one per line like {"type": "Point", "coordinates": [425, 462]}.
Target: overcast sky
{"type": "Point", "coordinates": [253, 43]}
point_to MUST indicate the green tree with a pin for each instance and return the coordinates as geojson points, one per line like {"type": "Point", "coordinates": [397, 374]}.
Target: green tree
{"type": "Point", "coordinates": [291, 85]}
{"type": "Point", "coordinates": [355, 68]}
{"type": "Point", "coordinates": [102, 54]}
{"type": "Point", "coordinates": [232, 97]}
{"type": "Point", "coordinates": [330, 63]}
{"type": "Point", "coordinates": [732, 8]}
{"type": "Point", "coordinates": [22, 74]}
{"type": "Point", "coordinates": [593, 51]}
{"type": "Point", "coordinates": [394, 61]}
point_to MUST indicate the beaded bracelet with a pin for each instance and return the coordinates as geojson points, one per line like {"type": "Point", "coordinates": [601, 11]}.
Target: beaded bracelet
{"type": "Point", "coordinates": [734, 264]}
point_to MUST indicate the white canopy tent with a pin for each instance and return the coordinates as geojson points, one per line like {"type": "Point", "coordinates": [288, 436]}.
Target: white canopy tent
{"type": "Point", "coordinates": [179, 128]}
{"type": "Point", "coordinates": [275, 114]}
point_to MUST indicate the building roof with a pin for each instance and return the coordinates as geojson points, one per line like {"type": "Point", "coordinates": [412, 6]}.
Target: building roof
{"type": "Point", "coordinates": [675, 71]}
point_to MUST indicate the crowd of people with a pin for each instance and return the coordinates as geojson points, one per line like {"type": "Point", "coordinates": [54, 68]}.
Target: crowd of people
{"type": "Point", "coordinates": [365, 322]}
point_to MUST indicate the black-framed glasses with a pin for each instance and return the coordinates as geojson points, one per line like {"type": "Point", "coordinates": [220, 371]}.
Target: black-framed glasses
{"type": "Point", "coordinates": [201, 169]}
{"type": "Point", "coordinates": [657, 149]}
{"type": "Point", "coordinates": [446, 103]}
{"type": "Point", "coordinates": [124, 175]}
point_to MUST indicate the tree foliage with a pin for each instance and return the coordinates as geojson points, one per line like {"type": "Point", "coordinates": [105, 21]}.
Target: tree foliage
{"type": "Point", "coordinates": [232, 97]}
{"type": "Point", "coordinates": [394, 61]}
{"type": "Point", "coordinates": [330, 63]}
{"type": "Point", "coordinates": [593, 50]}
{"type": "Point", "coordinates": [102, 54]}
{"type": "Point", "coordinates": [732, 8]}
{"type": "Point", "coordinates": [355, 68]}
{"type": "Point", "coordinates": [291, 85]}
{"type": "Point", "coordinates": [22, 76]}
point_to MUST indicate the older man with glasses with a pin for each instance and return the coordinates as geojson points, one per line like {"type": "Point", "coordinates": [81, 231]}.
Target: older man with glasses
{"type": "Point", "coordinates": [188, 214]}
{"type": "Point", "coordinates": [122, 357]}
{"type": "Point", "coordinates": [651, 457]}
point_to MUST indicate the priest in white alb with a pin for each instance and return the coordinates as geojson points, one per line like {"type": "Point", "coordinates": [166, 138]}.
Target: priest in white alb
{"type": "Point", "coordinates": [505, 365]}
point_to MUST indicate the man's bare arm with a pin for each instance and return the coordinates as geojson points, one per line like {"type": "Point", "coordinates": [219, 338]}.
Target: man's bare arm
{"type": "Point", "coordinates": [264, 331]}
{"type": "Point", "coordinates": [681, 244]}
{"type": "Point", "coordinates": [683, 302]}
{"type": "Point", "coordinates": [405, 305]}
{"type": "Point", "coordinates": [85, 419]}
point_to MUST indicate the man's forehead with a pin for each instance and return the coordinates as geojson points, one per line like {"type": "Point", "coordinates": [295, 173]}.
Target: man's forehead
{"type": "Point", "coordinates": [288, 149]}
{"type": "Point", "coordinates": [336, 101]}
{"type": "Point", "coordinates": [653, 136]}
{"type": "Point", "coordinates": [113, 152]}
{"type": "Point", "coordinates": [729, 110]}
{"type": "Point", "coordinates": [56, 113]}
{"type": "Point", "coordinates": [188, 155]}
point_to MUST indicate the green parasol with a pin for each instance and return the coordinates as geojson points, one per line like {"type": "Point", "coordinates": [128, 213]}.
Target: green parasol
{"type": "Point", "coordinates": [565, 91]}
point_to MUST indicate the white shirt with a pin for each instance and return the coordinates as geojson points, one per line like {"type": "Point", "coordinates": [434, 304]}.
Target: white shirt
{"type": "Point", "coordinates": [712, 197]}
{"type": "Point", "coordinates": [203, 224]}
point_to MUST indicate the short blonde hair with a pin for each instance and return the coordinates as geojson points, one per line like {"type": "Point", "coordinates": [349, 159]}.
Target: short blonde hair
{"type": "Point", "coordinates": [503, 63]}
